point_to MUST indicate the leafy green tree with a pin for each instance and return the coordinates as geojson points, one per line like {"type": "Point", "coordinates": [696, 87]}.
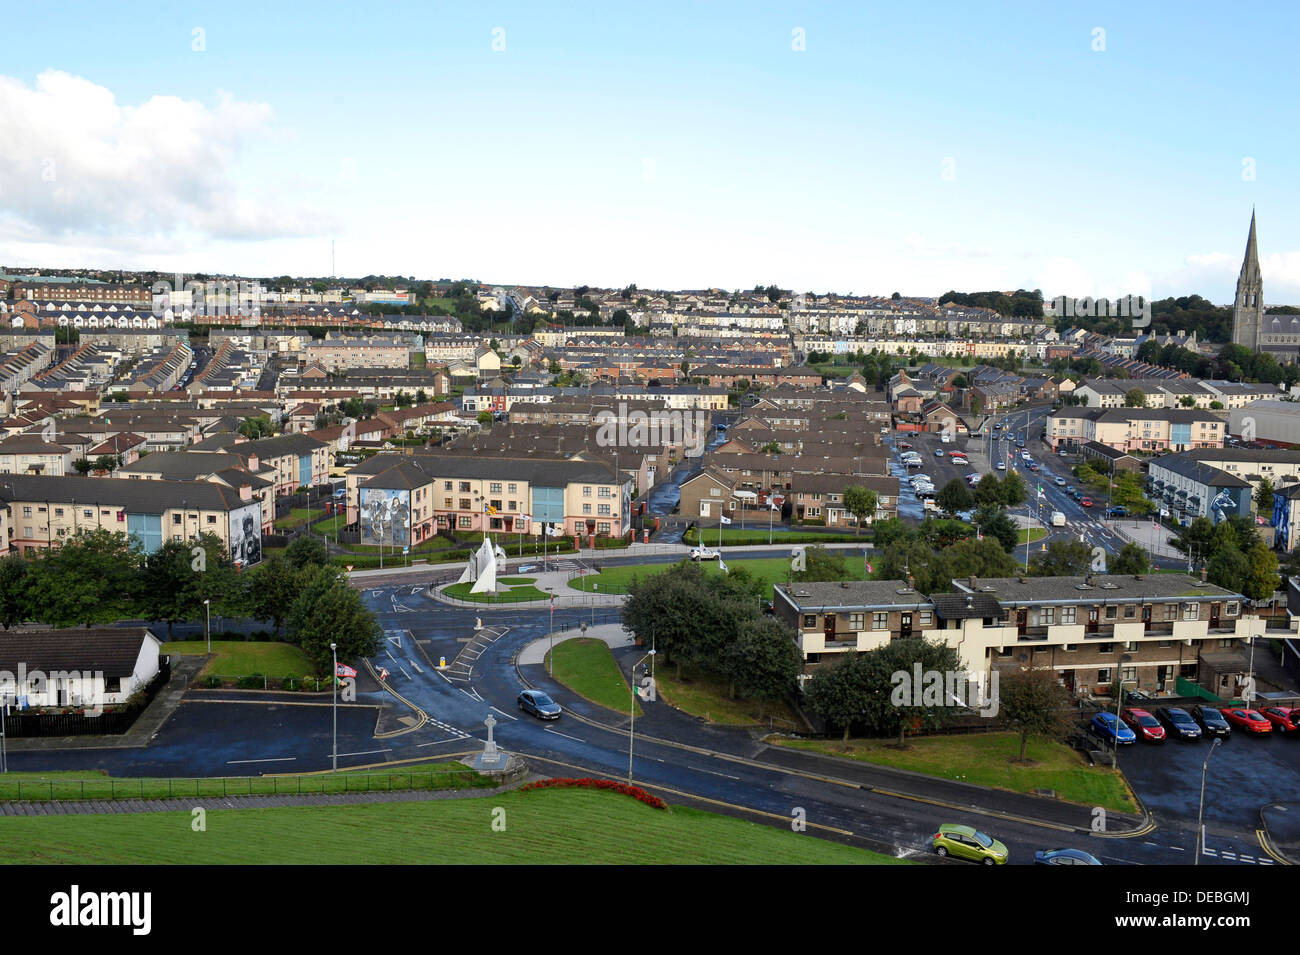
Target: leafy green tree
{"type": "Point", "coordinates": [763, 662]}
{"type": "Point", "coordinates": [1014, 491]}
{"type": "Point", "coordinates": [92, 578]}
{"type": "Point", "coordinates": [14, 604]}
{"type": "Point", "coordinates": [273, 587]}
{"type": "Point", "coordinates": [891, 674]}
{"type": "Point", "coordinates": [256, 427]}
{"type": "Point", "coordinates": [1264, 496]}
{"type": "Point", "coordinates": [839, 692]}
{"type": "Point", "coordinates": [82, 466]}
{"type": "Point", "coordinates": [996, 523]}
{"type": "Point", "coordinates": [1131, 559]}
{"type": "Point", "coordinates": [1032, 703]}
{"type": "Point", "coordinates": [955, 496]}
{"type": "Point", "coordinates": [821, 564]}
{"type": "Point", "coordinates": [1195, 540]}
{"type": "Point", "coordinates": [988, 492]}
{"type": "Point", "coordinates": [306, 550]}
{"type": "Point", "coordinates": [484, 417]}
{"type": "Point", "coordinates": [1262, 577]}
{"type": "Point", "coordinates": [328, 610]}
{"type": "Point", "coordinates": [1061, 559]}
{"type": "Point", "coordinates": [1135, 398]}
{"type": "Point", "coordinates": [861, 503]}
{"type": "Point", "coordinates": [1229, 568]}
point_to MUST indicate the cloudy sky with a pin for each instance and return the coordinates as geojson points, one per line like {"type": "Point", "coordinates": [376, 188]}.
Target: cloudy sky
{"type": "Point", "coordinates": [1085, 150]}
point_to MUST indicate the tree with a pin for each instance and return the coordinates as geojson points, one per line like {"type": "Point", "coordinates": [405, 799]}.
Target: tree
{"type": "Point", "coordinates": [763, 662]}
{"type": "Point", "coordinates": [821, 564]}
{"type": "Point", "coordinates": [1061, 559]}
{"type": "Point", "coordinates": [273, 586]}
{"type": "Point", "coordinates": [328, 610]}
{"type": "Point", "coordinates": [1132, 559]}
{"type": "Point", "coordinates": [1262, 577]}
{"type": "Point", "coordinates": [1194, 540]}
{"type": "Point", "coordinates": [1013, 489]}
{"type": "Point", "coordinates": [1032, 703]}
{"type": "Point", "coordinates": [256, 427]}
{"type": "Point", "coordinates": [1264, 496]}
{"type": "Point", "coordinates": [91, 578]}
{"type": "Point", "coordinates": [1135, 398]}
{"type": "Point", "coordinates": [988, 492]}
{"type": "Point", "coordinates": [484, 417]}
{"type": "Point", "coordinates": [14, 604]}
{"type": "Point", "coordinates": [838, 692]}
{"type": "Point", "coordinates": [306, 550]}
{"type": "Point", "coordinates": [955, 496]}
{"type": "Point", "coordinates": [861, 503]}
{"type": "Point", "coordinates": [82, 466]}
{"type": "Point", "coordinates": [896, 704]}
{"type": "Point", "coordinates": [996, 523]}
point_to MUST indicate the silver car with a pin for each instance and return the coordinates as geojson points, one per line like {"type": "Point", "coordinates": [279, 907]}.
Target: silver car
{"type": "Point", "coordinates": [539, 704]}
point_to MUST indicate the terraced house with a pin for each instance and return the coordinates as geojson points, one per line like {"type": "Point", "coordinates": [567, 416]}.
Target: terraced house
{"type": "Point", "coordinates": [1150, 632]}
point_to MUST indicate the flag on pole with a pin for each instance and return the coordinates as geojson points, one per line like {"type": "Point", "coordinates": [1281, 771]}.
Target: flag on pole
{"type": "Point", "coordinates": [344, 670]}
{"type": "Point", "coordinates": [1041, 493]}
{"type": "Point", "coordinates": [722, 565]}
{"type": "Point", "coordinates": [726, 519]}
{"type": "Point", "coordinates": [870, 569]}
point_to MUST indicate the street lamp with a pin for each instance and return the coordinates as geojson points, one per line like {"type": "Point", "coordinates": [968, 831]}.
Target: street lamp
{"type": "Point", "coordinates": [207, 621]}
{"type": "Point", "coordinates": [550, 659]}
{"type": "Point", "coordinates": [1250, 680]}
{"type": "Point", "coordinates": [334, 749]}
{"type": "Point", "coordinates": [1119, 697]}
{"type": "Point", "coordinates": [631, 726]}
{"type": "Point", "coordinates": [1200, 813]}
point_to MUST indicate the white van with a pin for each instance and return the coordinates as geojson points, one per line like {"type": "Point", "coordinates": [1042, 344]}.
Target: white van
{"type": "Point", "coordinates": [1058, 519]}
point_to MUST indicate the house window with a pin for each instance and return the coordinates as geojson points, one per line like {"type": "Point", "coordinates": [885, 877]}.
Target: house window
{"type": "Point", "coordinates": [494, 488]}
{"type": "Point", "coordinates": [1069, 614]}
{"type": "Point", "coordinates": [1103, 675]}
{"type": "Point", "coordinates": [880, 621]}
{"type": "Point", "coordinates": [27, 512]}
{"type": "Point", "coordinates": [1226, 644]}
{"type": "Point", "coordinates": [1232, 609]}
{"type": "Point", "coordinates": [1046, 616]}
{"type": "Point", "coordinates": [176, 518]}
{"type": "Point", "coordinates": [87, 512]}
{"type": "Point", "coordinates": [446, 486]}
{"type": "Point", "coordinates": [925, 618]}
{"type": "Point", "coordinates": [212, 518]}
{"type": "Point", "coordinates": [464, 504]}
{"type": "Point", "coordinates": [603, 510]}
{"type": "Point", "coordinates": [586, 508]}
{"type": "Point", "coordinates": [1130, 611]}
{"type": "Point", "coordinates": [1112, 612]}
{"type": "Point", "coordinates": [464, 487]}
{"type": "Point", "coordinates": [514, 488]}
{"type": "Point", "coordinates": [1106, 648]}
{"type": "Point", "coordinates": [465, 521]}
{"type": "Point", "coordinates": [809, 620]}
{"type": "Point", "coordinates": [1069, 648]}
{"type": "Point", "coordinates": [1171, 611]}
{"type": "Point", "coordinates": [446, 502]}
{"type": "Point", "coordinates": [606, 492]}
{"type": "Point", "coordinates": [1128, 674]}
{"type": "Point", "coordinates": [58, 512]}
{"type": "Point", "coordinates": [1191, 611]}
{"type": "Point", "coordinates": [586, 491]}
{"type": "Point", "coordinates": [856, 621]}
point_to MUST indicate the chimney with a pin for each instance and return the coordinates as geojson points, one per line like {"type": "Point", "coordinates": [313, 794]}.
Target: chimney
{"type": "Point", "coordinates": [1088, 580]}
{"type": "Point", "coordinates": [973, 582]}
{"type": "Point", "coordinates": [1204, 574]}
{"type": "Point", "coordinates": [911, 581]}
{"type": "Point", "coordinates": [970, 601]}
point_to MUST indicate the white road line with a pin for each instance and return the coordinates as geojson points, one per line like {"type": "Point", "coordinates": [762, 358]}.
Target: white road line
{"type": "Point", "coordinates": [272, 759]}
{"type": "Point", "coordinates": [390, 656]}
{"type": "Point", "coordinates": [506, 715]}
{"type": "Point", "coordinates": [404, 673]}
{"type": "Point", "coordinates": [1176, 848]}
{"type": "Point", "coordinates": [416, 665]}
{"type": "Point", "coordinates": [369, 752]}
{"type": "Point", "coordinates": [724, 775]}
{"type": "Point", "coordinates": [566, 736]}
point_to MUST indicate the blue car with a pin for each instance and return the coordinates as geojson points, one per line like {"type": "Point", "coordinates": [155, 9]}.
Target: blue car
{"type": "Point", "coordinates": [1179, 722]}
{"type": "Point", "coordinates": [1108, 726]}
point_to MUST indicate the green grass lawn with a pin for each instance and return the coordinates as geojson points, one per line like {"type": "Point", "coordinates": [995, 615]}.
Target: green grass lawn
{"type": "Point", "coordinates": [986, 760]}
{"type": "Point", "coordinates": [297, 517]}
{"type": "Point", "coordinates": [523, 590]}
{"type": "Point", "coordinates": [758, 534]}
{"type": "Point", "coordinates": [586, 666]}
{"type": "Point", "coordinates": [97, 784]}
{"type": "Point", "coordinates": [331, 525]}
{"type": "Point", "coordinates": [771, 570]}
{"type": "Point", "coordinates": [707, 697]}
{"type": "Point", "coordinates": [244, 658]}
{"type": "Point", "coordinates": [546, 826]}
{"type": "Point", "coordinates": [1030, 534]}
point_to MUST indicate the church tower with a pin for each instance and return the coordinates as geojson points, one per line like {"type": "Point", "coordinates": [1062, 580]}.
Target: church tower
{"type": "Point", "coordinates": [1248, 310]}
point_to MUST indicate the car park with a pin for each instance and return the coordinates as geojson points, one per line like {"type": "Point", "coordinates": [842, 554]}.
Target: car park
{"type": "Point", "coordinates": [1064, 857]}
{"type": "Point", "coordinates": [1211, 721]}
{"type": "Point", "coordinates": [1145, 725]}
{"type": "Point", "coordinates": [1252, 721]}
{"type": "Point", "coordinates": [539, 704]}
{"type": "Point", "coordinates": [1179, 722]}
{"type": "Point", "coordinates": [1108, 726]}
{"type": "Point", "coordinates": [1284, 719]}
{"type": "Point", "coordinates": [967, 842]}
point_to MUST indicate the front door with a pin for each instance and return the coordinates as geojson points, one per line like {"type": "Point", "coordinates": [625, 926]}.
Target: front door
{"type": "Point", "coordinates": [829, 627]}
{"type": "Point", "coordinates": [905, 626]}
{"type": "Point", "coordinates": [1092, 620]}
{"type": "Point", "coordinates": [1214, 615]}
{"type": "Point", "coordinates": [1162, 674]}
{"type": "Point", "coordinates": [1022, 620]}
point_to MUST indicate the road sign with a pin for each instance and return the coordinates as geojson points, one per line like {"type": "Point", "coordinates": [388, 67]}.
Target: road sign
{"type": "Point", "coordinates": [349, 567]}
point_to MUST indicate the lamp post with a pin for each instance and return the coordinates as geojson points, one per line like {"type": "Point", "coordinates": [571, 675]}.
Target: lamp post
{"type": "Point", "coordinates": [1250, 680]}
{"type": "Point", "coordinates": [207, 621]}
{"type": "Point", "coordinates": [334, 748]}
{"type": "Point", "coordinates": [1119, 697]}
{"type": "Point", "coordinates": [550, 658]}
{"type": "Point", "coordinates": [1200, 813]}
{"type": "Point", "coordinates": [631, 726]}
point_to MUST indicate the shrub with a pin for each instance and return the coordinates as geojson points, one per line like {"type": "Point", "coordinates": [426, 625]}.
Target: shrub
{"type": "Point", "coordinates": [253, 681]}
{"type": "Point", "coordinates": [291, 684]}
{"type": "Point", "coordinates": [636, 792]}
{"type": "Point", "coordinates": [211, 682]}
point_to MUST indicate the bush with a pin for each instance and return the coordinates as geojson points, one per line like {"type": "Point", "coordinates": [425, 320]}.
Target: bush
{"type": "Point", "coordinates": [636, 792]}
{"type": "Point", "coordinates": [254, 681]}
{"type": "Point", "coordinates": [211, 682]}
{"type": "Point", "coordinates": [291, 684]}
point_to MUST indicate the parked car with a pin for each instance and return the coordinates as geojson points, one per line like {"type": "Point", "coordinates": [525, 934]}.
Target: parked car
{"type": "Point", "coordinates": [1144, 724]}
{"type": "Point", "coordinates": [704, 553]}
{"type": "Point", "coordinates": [904, 446]}
{"type": "Point", "coordinates": [1085, 502]}
{"type": "Point", "coordinates": [1001, 466]}
{"type": "Point", "coordinates": [539, 704]}
{"type": "Point", "coordinates": [967, 842]}
{"type": "Point", "coordinates": [938, 452]}
{"type": "Point", "coordinates": [1108, 726]}
{"type": "Point", "coordinates": [1060, 482]}
{"type": "Point", "coordinates": [956, 454]}
{"type": "Point", "coordinates": [1064, 857]}
{"type": "Point", "coordinates": [1119, 510]}
{"type": "Point", "coordinates": [1253, 721]}
{"type": "Point", "coordinates": [1179, 722]}
{"type": "Point", "coordinates": [1211, 721]}
{"type": "Point", "coordinates": [1284, 719]}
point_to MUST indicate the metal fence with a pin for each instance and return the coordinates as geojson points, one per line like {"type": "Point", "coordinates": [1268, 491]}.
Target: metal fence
{"type": "Point", "coordinates": [223, 786]}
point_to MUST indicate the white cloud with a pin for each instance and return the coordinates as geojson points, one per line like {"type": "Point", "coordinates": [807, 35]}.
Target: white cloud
{"type": "Point", "coordinates": [79, 169]}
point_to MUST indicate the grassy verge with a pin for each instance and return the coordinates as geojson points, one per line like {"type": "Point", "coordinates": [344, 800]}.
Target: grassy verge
{"type": "Point", "coordinates": [586, 666]}
{"type": "Point", "coordinates": [707, 697]}
{"type": "Point", "coordinates": [986, 759]}
{"type": "Point", "coordinates": [244, 658]}
{"type": "Point", "coordinates": [573, 827]}
{"type": "Point", "coordinates": [771, 570]}
{"type": "Point", "coordinates": [509, 595]}
{"type": "Point", "coordinates": [96, 784]}
{"type": "Point", "coordinates": [297, 517]}
{"type": "Point", "coordinates": [733, 535]}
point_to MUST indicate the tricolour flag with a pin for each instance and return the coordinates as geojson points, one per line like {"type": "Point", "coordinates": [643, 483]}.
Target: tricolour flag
{"type": "Point", "coordinates": [344, 670]}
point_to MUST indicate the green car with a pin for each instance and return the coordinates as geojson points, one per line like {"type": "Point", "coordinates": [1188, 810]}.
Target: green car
{"type": "Point", "coordinates": [967, 842]}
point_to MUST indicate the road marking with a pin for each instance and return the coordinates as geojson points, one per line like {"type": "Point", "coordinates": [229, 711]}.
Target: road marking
{"type": "Point", "coordinates": [404, 673]}
{"type": "Point", "coordinates": [416, 665]}
{"type": "Point", "coordinates": [367, 752]}
{"type": "Point", "coordinates": [724, 775]}
{"type": "Point", "coordinates": [272, 759]}
{"type": "Point", "coordinates": [565, 735]}
{"type": "Point", "coordinates": [506, 715]}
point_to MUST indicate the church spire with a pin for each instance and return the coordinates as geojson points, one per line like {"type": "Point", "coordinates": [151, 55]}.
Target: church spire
{"type": "Point", "coordinates": [1250, 265]}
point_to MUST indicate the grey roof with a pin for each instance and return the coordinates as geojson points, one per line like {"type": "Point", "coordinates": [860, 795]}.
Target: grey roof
{"type": "Point", "coordinates": [135, 496]}
{"type": "Point", "coordinates": [111, 650]}
{"type": "Point", "coordinates": [961, 607]}
{"type": "Point", "coordinates": [538, 472]}
{"type": "Point", "coordinates": [1091, 589]}
{"type": "Point", "coordinates": [853, 595]}
{"type": "Point", "coordinates": [1196, 471]}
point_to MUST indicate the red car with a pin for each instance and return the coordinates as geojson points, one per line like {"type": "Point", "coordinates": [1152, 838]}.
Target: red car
{"type": "Point", "coordinates": [1250, 720]}
{"type": "Point", "coordinates": [904, 446]}
{"type": "Point", "coordinates": [1085, 502]}
{"type": "Point", "coordinates": [956, 454]}
{"type": "Point", "coordinates": [1284, 719]}
{"type": "Point", "coordinates": [1143, 724]}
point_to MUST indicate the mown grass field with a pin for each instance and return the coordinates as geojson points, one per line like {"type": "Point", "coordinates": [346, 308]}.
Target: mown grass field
{"type": "Point", "coordinates": [297, 517]}
{"type": "Point", "coordinates": [509, 590]}
{"type": "Point", "coordinates": [244, 658]}
{"type": "Point", "coordinates": [708, 698]}
{"type": "Point", "coordinates": [586, 666]}
{"type": "Point", "coordinates": [97, 784]}
{"type": "Point", "coordinates": [771, 570]}
{"type": "Point", "coordinates": [986, 760]}
{"type": "Point", "coordinates": [565, 827]}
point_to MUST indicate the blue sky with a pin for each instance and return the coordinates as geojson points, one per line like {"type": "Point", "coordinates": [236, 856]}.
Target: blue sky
{"type": "Point", "coordinates": [914, 148]}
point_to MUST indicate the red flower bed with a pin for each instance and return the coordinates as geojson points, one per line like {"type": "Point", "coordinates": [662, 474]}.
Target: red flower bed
{"type": "Point", "coordinates": [636, 792]}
